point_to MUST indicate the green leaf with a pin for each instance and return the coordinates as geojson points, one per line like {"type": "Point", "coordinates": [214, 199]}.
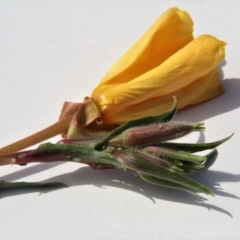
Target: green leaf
{"type": "Point", "coordinates": [141, 165]}
{"type": "Point", "coordinates": [16, 185]}
{"type": "Point", "coordinates": [193, 147]}
{"type": "Point", "coordinates": [49, 152]}
{"type": "Point", "coordinates": [169, 184]}
{"type": "Point", "coordinates": [164, 117]}
{"type": "Point", "coordinates": [211, 157]}
{"type": "Point", "coordinates": [170, 154]}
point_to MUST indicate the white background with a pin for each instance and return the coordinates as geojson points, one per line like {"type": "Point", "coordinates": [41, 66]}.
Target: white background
{"type": "Point", "coordinates": [53, 51]}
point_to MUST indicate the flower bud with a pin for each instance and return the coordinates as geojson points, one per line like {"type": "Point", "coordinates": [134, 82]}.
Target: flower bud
{"type": "Point", "coordinates": [153, 134]}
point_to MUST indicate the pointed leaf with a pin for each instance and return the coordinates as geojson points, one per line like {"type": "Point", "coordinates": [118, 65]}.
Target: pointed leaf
{"type": "Point", "coordinates": [165, 183]}
{"type": "Point", "coordinates": [141, 165]}
{"type": "Point", "coordinates": [49, 152]}
{"type": "Point", "coordinates": [170, 154]}
{"type": "Point", "coordinates": [16, 185]}
{"type": "Point", "coordinates": [211, 157]}
{"type": "Point", "coordinates": [194, 147]}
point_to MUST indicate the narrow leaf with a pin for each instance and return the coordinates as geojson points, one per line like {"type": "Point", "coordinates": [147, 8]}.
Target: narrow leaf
{"type": "Point", "coordinates": [143, 166]}
{"type": "Point", "coordinates": [194, 147]}
{"type": "Point", "coordinates": [211, 157]}
{"type": "Point", "coordinates": [16, 185]}
{"type": "Point", "coordinates": [49, 152]}
{"type": "Point", "coordinates": [165, 183]}
{"type": "Point", "coordinates": [170, 154]}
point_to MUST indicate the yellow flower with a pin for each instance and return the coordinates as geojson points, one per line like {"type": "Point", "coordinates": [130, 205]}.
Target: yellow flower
{"type": "Point", "coordinates": [166, 61]}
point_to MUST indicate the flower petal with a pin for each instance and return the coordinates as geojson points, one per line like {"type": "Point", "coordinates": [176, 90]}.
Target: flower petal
{"type": "Point", "coordinates": [170, 32]}
{"type": "Point", "coordinates": [193, 61]}
{"type": "Point", "coordinates": [204, 88]}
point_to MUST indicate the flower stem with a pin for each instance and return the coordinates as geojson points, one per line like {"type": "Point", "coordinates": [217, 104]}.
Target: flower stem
{"type": "Point", "coordinates": [51, 131]}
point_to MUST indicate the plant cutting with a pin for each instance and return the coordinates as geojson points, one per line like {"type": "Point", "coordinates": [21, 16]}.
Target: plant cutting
{"type": "Point", "coordinates": [125, 123]}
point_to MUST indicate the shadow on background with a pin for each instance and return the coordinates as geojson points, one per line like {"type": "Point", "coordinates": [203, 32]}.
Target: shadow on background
{"type": "Point", "coordinates": [228, 101]}
{"type": "Point", "coordinates": [128, 180]}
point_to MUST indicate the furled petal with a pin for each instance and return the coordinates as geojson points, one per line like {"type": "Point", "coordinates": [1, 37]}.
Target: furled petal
{"type": "Point", "coordinates": [193, 61]}
{"type": "Point", "coordinates": [170, 32]}
{"type": "Point", "coordinates": [204, 88]}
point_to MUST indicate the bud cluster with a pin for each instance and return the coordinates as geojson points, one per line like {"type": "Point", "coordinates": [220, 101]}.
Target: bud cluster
{"type": "Point", "coordinates": [140, 145]}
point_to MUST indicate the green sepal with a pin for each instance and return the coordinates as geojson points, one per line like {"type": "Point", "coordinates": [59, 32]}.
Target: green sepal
{"type": "Point", "coordinates": [16, 185]}
{"type": "Point", "coordinates": [164, 117]}
{"type": "Point", "coordinates": [141, 165]}
{"type": "Point", "coordinates": [181, 162]}
{"type": "Point", "coordinates": [169, 184]}
{"type": "Point", "coordinates": [197, 167]}
{"type": "Point", "coordinates": [185, 156]}
{"type": "Point", "coordinates": [176, 179]}
{"type": "Point", "coordinates": [192, 167]}
{"type": "Point", "coordinates": [177, 155]}
{"type": "Point", "coordinates": [193, 147]}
